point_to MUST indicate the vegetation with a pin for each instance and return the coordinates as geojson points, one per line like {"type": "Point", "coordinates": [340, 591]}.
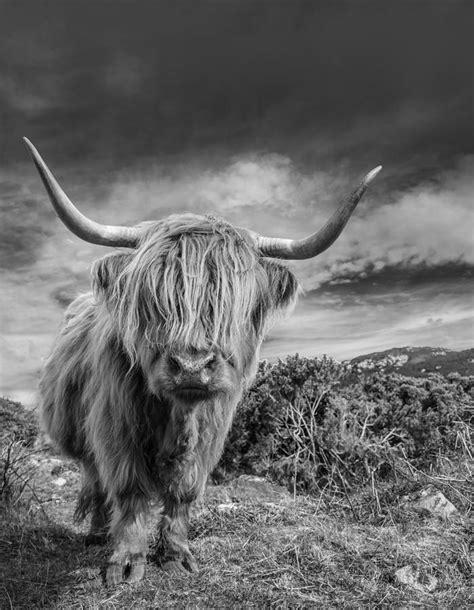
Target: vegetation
{"type": "Point", "coordinates": [352, 449]}
{"type": "Point", "coordinates": [311, 424]}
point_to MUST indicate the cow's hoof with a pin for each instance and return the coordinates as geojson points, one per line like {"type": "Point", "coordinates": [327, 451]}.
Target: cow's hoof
{"type": "Point", "coordinates": [130, 569]}
{"type": "Point", "coordinates": [190, 564]}
{"type": "Point", "coordinates": [181, 566]}
{"type": "Point", "coordinates": [95, 539]}
{"type": "Point", "coordinates": [174, 567]}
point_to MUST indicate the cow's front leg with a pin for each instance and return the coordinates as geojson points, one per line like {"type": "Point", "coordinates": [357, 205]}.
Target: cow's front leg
{"type": "Point", "coordinates": [172, 548]}
{"type": "Point", "coordinates": [129, 535]}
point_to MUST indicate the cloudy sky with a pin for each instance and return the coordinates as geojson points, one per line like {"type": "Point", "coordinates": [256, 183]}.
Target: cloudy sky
{"type": "Point", "coordinates": [266, 113]}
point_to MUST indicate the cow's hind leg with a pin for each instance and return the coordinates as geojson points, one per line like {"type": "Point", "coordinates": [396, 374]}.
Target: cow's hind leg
{"type": "Point", "coordinates": [92, 500]}
{"type": "Point", "coordinates": [99, 522]}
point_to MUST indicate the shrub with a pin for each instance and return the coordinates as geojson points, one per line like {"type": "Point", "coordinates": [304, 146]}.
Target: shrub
{"type": "Point", "coordinates": [309, 423]}
{"type": "Point", "coordinates": [18, 430]}
{"type": "Point", "coordinates": [16, 423]}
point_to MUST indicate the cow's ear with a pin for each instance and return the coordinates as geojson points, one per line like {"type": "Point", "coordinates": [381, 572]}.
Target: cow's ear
{"type": "Point", "coordinates": [283, 285]}
{"type": "Point", "coordinates": [106, 273]}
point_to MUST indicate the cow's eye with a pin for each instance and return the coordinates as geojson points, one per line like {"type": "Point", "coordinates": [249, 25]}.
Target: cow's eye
{"type": "Point", "coordinates": [173, 364]}
{"type": "Point", "coordinates": [230, 360]}
{"type": "Point", "coordinates": [155, 357]}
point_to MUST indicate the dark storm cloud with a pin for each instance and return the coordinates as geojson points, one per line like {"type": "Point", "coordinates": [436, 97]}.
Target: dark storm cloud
{"type": "Point", "coordinates": [318, 81]}
{"type": "Point", "coordinates": [392, 281]}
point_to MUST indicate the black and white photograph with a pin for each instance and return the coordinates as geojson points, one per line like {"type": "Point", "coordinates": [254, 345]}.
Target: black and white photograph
{"type": "Point", "coordinates": [236, 303]}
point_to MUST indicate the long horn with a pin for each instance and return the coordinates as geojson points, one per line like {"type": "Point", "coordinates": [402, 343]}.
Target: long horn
{"type": "Point", "coordinates": [80, 225]}
{"type": "Point", "coordinates": [318, 242]}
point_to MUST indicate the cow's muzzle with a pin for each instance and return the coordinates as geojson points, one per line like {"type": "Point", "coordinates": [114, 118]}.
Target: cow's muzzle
{"type": "Point", "coordinates": [192, 374]}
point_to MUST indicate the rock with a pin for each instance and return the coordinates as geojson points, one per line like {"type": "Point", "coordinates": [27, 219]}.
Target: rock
{"type": "Point", "coordinates": [248, 487]}
{"type": "Point", "coordinates": [228, 508]}
{"type": "Point", "coordinates": [60, 482]}
{"type": "Point", "coordinates": [217, 494]}
{"type": "Point", "coordinates": [430, 501]}
{"type": "Point", "coordinates": [412, 577]}
{"type": "Point", "coordinates": [214, 495]}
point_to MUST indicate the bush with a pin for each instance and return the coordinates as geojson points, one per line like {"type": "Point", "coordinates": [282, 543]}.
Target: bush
{"type": "Point", "coordinates": [308, 423]}
{"type": "Point", "coordinates": [18, 431]}
{"type": "Point", "coordinates": [16, 423]}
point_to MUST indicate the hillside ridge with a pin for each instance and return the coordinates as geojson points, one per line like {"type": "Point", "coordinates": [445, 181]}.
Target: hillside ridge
{"type": "Point", "coordinates": [418, 361]}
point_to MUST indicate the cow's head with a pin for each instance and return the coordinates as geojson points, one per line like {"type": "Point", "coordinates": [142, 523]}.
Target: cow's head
{"type": "Point", "coordinates": [191, 296]}
{"type": "Point", "coordinates": [191, 303]}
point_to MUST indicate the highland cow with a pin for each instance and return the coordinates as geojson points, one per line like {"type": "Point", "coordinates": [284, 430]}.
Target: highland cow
{"type": "Point", "coordinates": [145, 376]}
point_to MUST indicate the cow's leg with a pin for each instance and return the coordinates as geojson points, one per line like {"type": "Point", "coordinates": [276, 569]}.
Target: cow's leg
{"type": "Point", "coordinates": [128, 532]}
{"type": "Point", "coordinates": [172, 548]}
{"type": "Point", "coordinates": [99, 522]}
{"type": "Point", "coordinates": [92, 499]}
{"type": "Point", "coordinates": [180, 480]}
{"type": "Point", "coordinates": [192, 446]}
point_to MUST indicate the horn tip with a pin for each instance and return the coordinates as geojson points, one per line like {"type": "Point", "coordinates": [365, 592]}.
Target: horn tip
{"type": "Point", "coordinates": [371, 175]}
{"type": "Point", "coordinates": [29, 145]}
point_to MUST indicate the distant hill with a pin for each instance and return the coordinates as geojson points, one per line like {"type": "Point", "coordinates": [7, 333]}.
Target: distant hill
{"type": "Point", "coordinates": [418, 361]}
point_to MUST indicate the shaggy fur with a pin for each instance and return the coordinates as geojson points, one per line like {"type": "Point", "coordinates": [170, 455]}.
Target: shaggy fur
{"type": "Point", "coordinates": [194, 286]}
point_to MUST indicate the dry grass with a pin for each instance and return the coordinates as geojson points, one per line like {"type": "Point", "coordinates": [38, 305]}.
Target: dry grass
{"type": "Point", "coordinates": [257, 548]}
{"type": "Point", "coordinates": [256, 554]}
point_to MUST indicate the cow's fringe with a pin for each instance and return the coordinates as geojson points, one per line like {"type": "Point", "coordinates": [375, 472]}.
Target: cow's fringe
{"type": "Point", "coordinates": [193, 283]}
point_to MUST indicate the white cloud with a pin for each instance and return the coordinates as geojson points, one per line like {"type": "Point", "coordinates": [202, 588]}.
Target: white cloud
{"type": "Point", "coordinates": [240, 189]}
{"type": "Point", "coordinates": [432, 224]}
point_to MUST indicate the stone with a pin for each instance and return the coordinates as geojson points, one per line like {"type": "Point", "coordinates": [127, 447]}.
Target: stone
{"type": "Point", "coordinates": [228, 508]}
{"type": "Point", "coordinates": [433, 502]}
{"type": "Point", "coordinates": [248, 487]}
{"type": "Point", "coordinates": [412, 577]}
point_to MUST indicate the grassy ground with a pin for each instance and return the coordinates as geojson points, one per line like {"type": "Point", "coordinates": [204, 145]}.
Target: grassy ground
{"type": "Point", "coordinates": [257, 547]}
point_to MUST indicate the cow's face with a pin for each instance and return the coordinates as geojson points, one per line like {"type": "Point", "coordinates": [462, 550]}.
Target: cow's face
{"type": "Point", "coordinates": [191, 305]}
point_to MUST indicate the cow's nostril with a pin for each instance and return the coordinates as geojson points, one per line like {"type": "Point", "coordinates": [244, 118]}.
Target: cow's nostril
{"type": "Point", "coordinates": [210, 362]}
{"type": "Point", "coordinates": [191, 364]}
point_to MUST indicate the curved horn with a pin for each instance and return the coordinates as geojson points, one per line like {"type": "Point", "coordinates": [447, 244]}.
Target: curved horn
{"type": "Point", "coordinates": [318, 242]}
{"type": "Point", "coordinates": [80, 225]}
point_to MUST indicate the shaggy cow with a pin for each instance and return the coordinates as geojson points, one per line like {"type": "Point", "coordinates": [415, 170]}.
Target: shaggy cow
{"type": "Point", "coordinates": [146, 374]}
